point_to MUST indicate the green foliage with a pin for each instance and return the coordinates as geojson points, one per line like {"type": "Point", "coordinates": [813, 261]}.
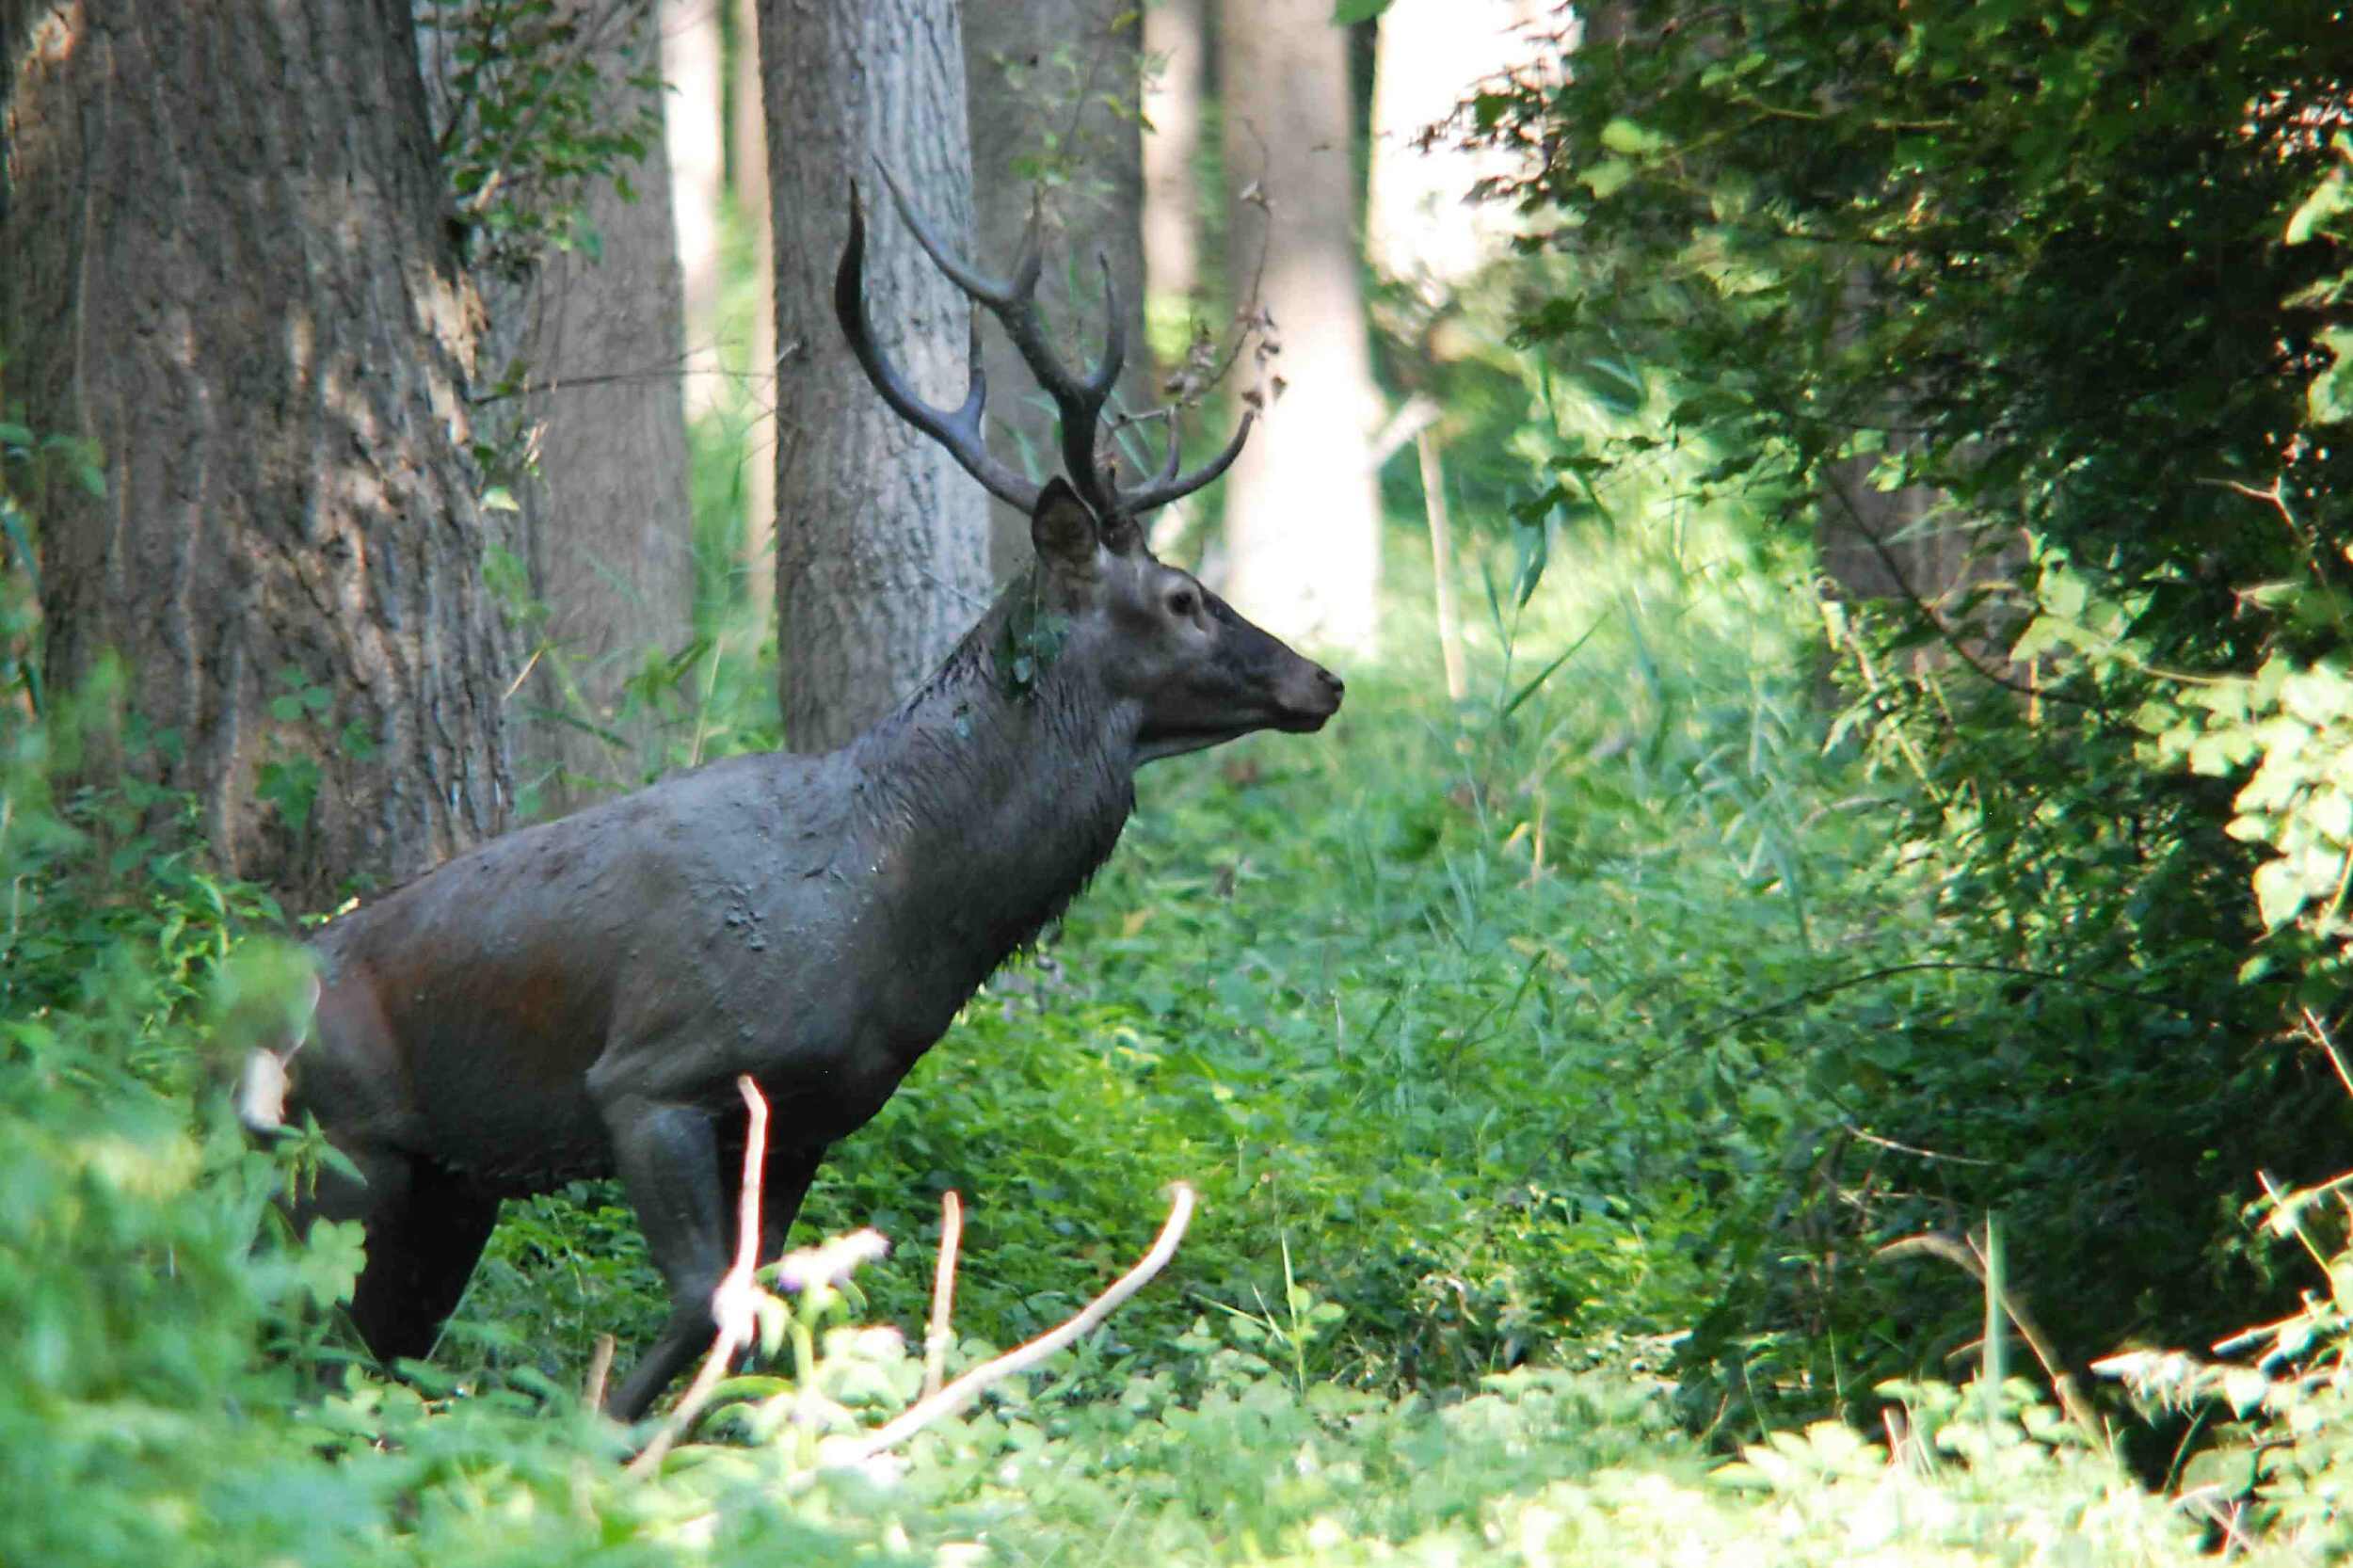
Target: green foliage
{"type": "Point", "coordinates": [1067, 110]}
{"type": "Point", "coordinates": [529, 126]}
{"type": "Point", "coordinates": [1426, 1004]}
{"type": "Point", "coordinates": [1032, 640]}
{"type": "Point", "coordinates": [2281, 1446]}
{"type": "Point", "coordinates": [1487, 1034]}
{"type": "Point", "coordinates": [2074, 271]}
{"type": "Point", "coordinates": [1522, 1047]}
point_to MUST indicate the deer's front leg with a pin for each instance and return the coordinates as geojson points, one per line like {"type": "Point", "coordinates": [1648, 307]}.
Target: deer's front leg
{"type": "Point", "coordinates": [668, 1157]}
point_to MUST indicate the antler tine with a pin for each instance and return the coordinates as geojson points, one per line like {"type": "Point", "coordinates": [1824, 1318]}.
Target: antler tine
{"type": "Point", "coordinates": [1078, 404]}
{"type": "Point", "coordinates": [1169, 486]}
{"type": "Point", "coordinates": [959, 432]}
{"type": "Point", "coordinates": [980, 286]}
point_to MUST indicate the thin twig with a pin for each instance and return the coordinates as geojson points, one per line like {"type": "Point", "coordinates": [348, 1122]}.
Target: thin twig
{"type": "Point", "coordinates": [1919, 605]}
{"type": "Point", "coordinates": [524, 674]}
{"type": "Point", "coordinates": [1816, 993]}
{"type": "Point", "coordinates": [731, 1303]}
{"type": "Point", "coordinates": [2320, 1032]}
{"type": "Point", "coordinates": [961, 1393]}
{"type": "Point", "coordinates": [2062, 1381]}
{"type": "Point", "coordinates": [1861, 1136]}
{"type": "Point", "coordinates": [943, 1293]}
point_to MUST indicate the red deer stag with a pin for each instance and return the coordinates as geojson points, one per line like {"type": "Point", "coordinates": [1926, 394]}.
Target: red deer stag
{"type": "Point", "coordinates": [577, 999]}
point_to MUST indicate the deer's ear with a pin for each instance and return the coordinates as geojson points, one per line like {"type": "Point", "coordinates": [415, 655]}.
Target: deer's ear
{"type": "Point", "coordinates": [1063, 530]}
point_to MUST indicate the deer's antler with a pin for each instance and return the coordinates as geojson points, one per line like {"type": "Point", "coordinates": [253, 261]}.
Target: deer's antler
{"type": "Point", "coordinates": [1078, 401]}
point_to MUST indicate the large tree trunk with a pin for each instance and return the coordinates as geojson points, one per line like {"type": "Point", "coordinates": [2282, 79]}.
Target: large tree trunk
{"type": "Point", "coordinates": [881, 539]}
{"type": "Point", "coordinates": [1177, 47]}
{"type": "Point", "coordinates": [1302, 516]}
{"type": "Point", "coordinates": [224, 261]}
{"type": "Point", "coordinates": [597, 331]}
{"type": "Point", "coordinates": [1054, 88]}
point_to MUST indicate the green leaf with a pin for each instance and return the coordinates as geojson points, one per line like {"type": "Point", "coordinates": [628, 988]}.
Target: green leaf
{"type": "Point", "coordinates": [2279, 893]}
{"type": "Point", "coordinates": [2332, 200]}
{"type": "Point", "coordinates": [1347, 13]}
{"type": "Point", "coordinates": [2330, 395]}
{"type": "Point", "coordinates": [1605, 178]}
{"type": "Point", "coordinates": [1624, 136]}
{"type": "Point", "coordinates": [1545, 673]}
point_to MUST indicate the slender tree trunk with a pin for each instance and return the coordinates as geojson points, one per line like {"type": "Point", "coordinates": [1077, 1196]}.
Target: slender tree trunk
{"type": "Point", "coordinates": [1302, 515]}
{"type": "Point", "coordinates": [598, 333]}
{"type": "Point", "coordinates": [881, 539]}
{"type": "Point", "coordinates": [611, 527]}
{"type": "Point", "coordinates": [224, 261]}
{"type": "Point", "coordinates": [1176, 54]}
{"type": "Point", "coordinates": [748, 134]}
{"type": "Point", "coordinates": [1054, 88]}
{"type": "Point", "coordinates": [693, 112]}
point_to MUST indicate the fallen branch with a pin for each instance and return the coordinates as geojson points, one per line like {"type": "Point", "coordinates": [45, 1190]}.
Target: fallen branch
{"type": "Point", "coordinates": [731, 1303]}
{"type": "Point", "coordinates": [848, 1451]}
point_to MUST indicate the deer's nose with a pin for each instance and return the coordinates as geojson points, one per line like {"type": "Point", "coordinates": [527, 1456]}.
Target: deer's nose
{"type": "Point", "coordinates": [1332, 683]}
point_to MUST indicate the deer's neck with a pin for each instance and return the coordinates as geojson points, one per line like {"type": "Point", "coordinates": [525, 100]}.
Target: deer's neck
{"type": "Point", "coordinates": [994, 801]}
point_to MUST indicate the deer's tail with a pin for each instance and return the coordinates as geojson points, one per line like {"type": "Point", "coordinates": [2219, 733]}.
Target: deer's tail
{"type": "Point", "coordinates": [264, 1079]}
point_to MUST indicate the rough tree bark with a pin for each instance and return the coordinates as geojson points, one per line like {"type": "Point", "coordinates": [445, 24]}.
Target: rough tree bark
{"type": "Point", "coordinates": [224, 261]}
{"type": "Point", "coordinates": [881, 539]}
{"type": "Point", "coordinates": [1302, 515]}
{"type": "Point", "coordinates": [607, 533]}
{"type": "Point", "coordinates": [1044, 77]}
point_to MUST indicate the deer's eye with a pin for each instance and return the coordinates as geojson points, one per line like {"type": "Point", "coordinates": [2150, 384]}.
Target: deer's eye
{"type": "Point", "coordinates": [1183, 603]}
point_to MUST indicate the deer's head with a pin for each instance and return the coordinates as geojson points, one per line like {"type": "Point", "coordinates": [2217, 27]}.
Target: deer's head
{"type": "Point", "coordinates": [1194, 670]}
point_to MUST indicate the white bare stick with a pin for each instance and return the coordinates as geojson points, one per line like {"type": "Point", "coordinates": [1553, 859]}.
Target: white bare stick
{"type": "Point", "coordinates": [1442, 567]}
{"type": "Point", "coordinates": [600, 1369]}
{"type": "Point", "coordinates": [943, 1293]}
{"type": "Point", "coordinates": [961, 1393]}
{"type": "Point", "coordinates": [731, 1303]}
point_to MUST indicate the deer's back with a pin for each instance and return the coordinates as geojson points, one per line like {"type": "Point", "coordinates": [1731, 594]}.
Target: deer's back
{"type": "Point", "coordinates": [464, 1015]}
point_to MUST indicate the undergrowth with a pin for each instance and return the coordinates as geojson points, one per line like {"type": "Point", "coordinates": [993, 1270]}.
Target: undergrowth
{"type": "Point", "coordinates": [1503, 1041]}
